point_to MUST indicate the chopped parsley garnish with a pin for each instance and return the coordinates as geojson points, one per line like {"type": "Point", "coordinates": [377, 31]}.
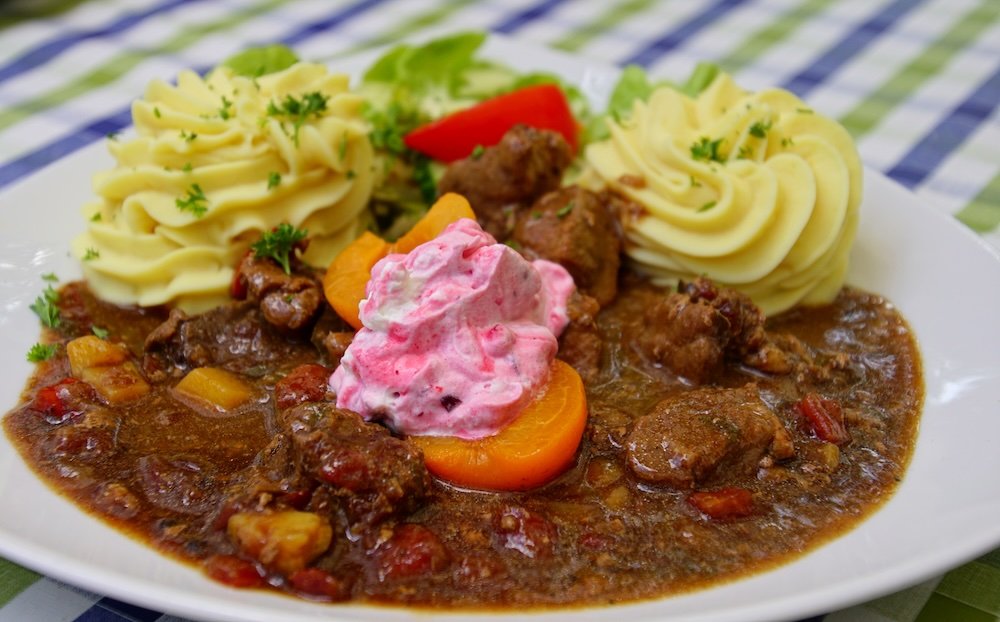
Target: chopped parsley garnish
{"type": "Point", "coordinates": [96, 217]}
{"type": "Point", "coordinates": [351, 174]}
{"type": "Point", "coordinates": [273, 180]}
{"type": "Point", "coordinates": [50, 277]}
{"type": "Point", "coordinates": [706, 149]}
{"type": "Point", "coordinates": [513, 244]}
{"type": "Point", "coordinates": [91, 254]}
{"type": "Point", "coordinates": [42, 352]}
{"type": "Point", "coordinates": [745, 153]}
{"type": "Point", "coordinates": [278, 244]}
{"type": "Point", "coordinates": [387, 127]}
{"type": "Point", "coordinates": [187, 168]}
{"type": "Point", "coordinates": [99, 332]}
{"type": "Point", "coordinates": [694, 182]}
{"type": "Point", "coordinates": [477, 152]}
{"type": "Point", "coordinates": [156, 112]}
{"type": "Point", "coordinates": [195, 201]}
{"type": "Point", "coordinates": [804, 110]}
{"type": "Point", "coordinates": [227, 108]}
{"type": "Point", "coordinates": [112, 135]}
{"type": "Point", "coordinates": [188, 136]}
{"type": "Point", "coordinates": [565, 210]}
{"type": "Point", "coordinates": [298, 110]}
{"type": "Point", "coordinates": [760, 128]}
{"type": "Point", "coordinates": [707, 206]}
{"type": "Point", "coordinates": [46, 307]}
{"type": "Point", "coordinates": [787, 142]}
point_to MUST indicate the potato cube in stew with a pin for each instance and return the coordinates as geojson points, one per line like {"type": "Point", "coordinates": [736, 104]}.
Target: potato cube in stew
{"type": "Point", "coordinates": [285, 541]}
{"type": "Point", "coordinates": [117, 384]}
{"type": "Point", "coordinates": [92, 351]}
{"type": "Point", "coordinates": [218, 388]}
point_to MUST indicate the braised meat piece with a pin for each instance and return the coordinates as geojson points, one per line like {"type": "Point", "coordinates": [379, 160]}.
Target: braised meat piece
{"type": "Point", "coordinates": [581, 345]}
{"type": "Point", "coordinates": [288, 301]}
{"type": "Point", "coordinates": [572, 227]}
{"type": "Point", "coordinates": [233, 336]}
{"type": "Point", "coordinates": [695, 330]}
{"type": "Point", "coordinates": [374, 474]}
{"type": "Point", "coordinates": [705, 437]}
{"type": "Point", "coordinates": [525, 164]}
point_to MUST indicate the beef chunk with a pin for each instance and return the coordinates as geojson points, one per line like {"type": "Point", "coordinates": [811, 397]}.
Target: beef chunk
{"type": "Point", "coordinates": [332, 335]}
{"type": "Point", "coordinates": [580, 344]}
{"type": "Point", "coordinates": [705, 437]}
{"type": "Point", "coordinates": [233, 336]}
{"type": "Point", "coordinates": [694, 330]}
{"type": "Point", "coordinates": [288, 301]}
{"type": "Point", "coordinates": [525, 164]}
{"type": "Point", "coordinates": [572, 227]}
{"type": "Point", "coordinates": [374, 474]}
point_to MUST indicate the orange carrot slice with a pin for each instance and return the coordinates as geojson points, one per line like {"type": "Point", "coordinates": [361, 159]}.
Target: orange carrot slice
{"type": "Point", "coordinates": [537, 446]}
{"type": "Point", "coordinates": [345, 280]}
{"type": "Point", "coordinates": [348, 274]}
{"type": "Point", "coordinates": [446, 210]}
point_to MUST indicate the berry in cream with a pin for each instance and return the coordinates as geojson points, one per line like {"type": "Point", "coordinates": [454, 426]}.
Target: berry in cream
{"type": "Point", "coordinates": [457, 336]}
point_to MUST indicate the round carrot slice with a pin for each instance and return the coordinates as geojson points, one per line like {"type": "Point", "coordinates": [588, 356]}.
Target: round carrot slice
{"type": "Point", "coordinates": [345, 280]}
{"type": "Point", "coordinates": [348, 274]}
{"type": "Point", "coordinates": [446, 210]}
{"type": "Point", "coordinates": [537, 446]}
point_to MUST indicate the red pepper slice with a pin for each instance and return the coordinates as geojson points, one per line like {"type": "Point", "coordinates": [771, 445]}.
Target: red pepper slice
{"type": "Point", "coordinates": [455, 136]}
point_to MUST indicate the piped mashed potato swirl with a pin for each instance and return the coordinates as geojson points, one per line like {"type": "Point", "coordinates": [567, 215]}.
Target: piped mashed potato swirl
{"type": "Point", "coordinates": [754, 190]}
{"type": "Point", "coordinates": [215, 162]}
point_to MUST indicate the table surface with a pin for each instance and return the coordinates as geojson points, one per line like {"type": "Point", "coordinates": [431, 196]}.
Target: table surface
{"type": "Point", "coordinates": [916, 82]}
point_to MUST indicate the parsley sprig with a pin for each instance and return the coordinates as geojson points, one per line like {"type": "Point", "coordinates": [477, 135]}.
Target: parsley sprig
{"type": "Point", "coordinates": [706, 149]}
{"type": "Point", "coordinates": [759, 129]}
{"type": "Point", "coordinates": [278, 244]}
{"type": "Point", "coordinates": [195, 201]}
{"type": "Point", "coordinates": [298, 110]}
{"type": "Point", "coordinates": [42, 352]}
{"type": "Point", "coordinates": [46, 307]}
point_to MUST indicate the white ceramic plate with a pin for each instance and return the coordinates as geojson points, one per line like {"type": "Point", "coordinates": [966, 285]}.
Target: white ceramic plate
{"type": "Point", "coordinates": [947, 510]}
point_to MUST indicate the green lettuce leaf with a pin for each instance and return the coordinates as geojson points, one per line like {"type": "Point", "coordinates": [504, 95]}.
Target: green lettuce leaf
{"type": "Point", "coordinates": [255, 62]}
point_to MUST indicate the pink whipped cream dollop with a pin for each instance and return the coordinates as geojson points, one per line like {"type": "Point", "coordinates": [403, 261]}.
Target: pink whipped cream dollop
{"type": "Point", "coordinates": [457, 336]}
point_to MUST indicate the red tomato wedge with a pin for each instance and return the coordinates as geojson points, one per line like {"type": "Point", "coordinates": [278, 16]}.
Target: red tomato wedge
{"type": "Point", "coordinates": [455, 136]}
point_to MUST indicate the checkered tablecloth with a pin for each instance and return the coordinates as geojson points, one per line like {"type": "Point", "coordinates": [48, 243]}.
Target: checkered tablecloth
{"type": "Point", "coordinates": [917, 82]}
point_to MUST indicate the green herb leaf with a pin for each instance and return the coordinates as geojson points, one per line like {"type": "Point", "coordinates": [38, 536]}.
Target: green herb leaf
{"type": "Point", "coordinates": [804, 110]}
{"type": "Point", "coordinates": [255, 62]}
{"type": "Point", "coordinates": [298, 110]}
{"type": "Point", "coordinates": [156, 112]}
{"type": "Point", "coordinates": [90, 254]}
{"type": "Point", "coordinates": [111, 135]}
{"type": "Point", "coordinates": [760, 128]}
{"type": "Point", "coordinates": [273, 180]}
{"type": "Point", "coordinates": [787, 142]}
{"type": "Point", "coordinates": [707, 206]}
{"type": "Point", "coordinates": [745, 152]}
{"type": "Point", "coordinates": [707, 150]}
{"type": "Point", "coordinates": [227, 107]}
{"type": "Point", "coordinates": [477, 152]}
{"type": "Point", "coordinates": [187, 168]}
{"type": "Point", "coordinates": [99, 332]}
{"type": "Point", "coordinates": [565, 210]}
{"type": "Point", "coordinates": [42, 352]}
{"type": "Point", "coordinates": [278, 244]}
{"type": "Point", "coordinates": [188, 136]}
{"type": "Point", "coordinates": [46, 307]}
{"type": "Point", "coordinates": [694, 182]}
{"type": "Point", "coordinates": [342, 148]}
{"type": "Point", "coordinates": [50, 277]}
{"type": "Point", "coordinates": [195, 201]}
{"type": "Point", "coordinates": [96, 217]}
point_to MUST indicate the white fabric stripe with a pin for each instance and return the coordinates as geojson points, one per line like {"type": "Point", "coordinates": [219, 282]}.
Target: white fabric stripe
{"type": "Point", "coordinates": [93, 53]}
{"type": "Point", "coordinates": [85, 16]}
{"type": "Point", "coordinates": [887, 56]}
{"type": "Point", "coordinates": [904, 126]}
{"type": "Point", "coordinates": [49, 601]}
{"type": "Point", "coordinates": [803, 47]}
{"type": "Point", "coordinates": [967, 170]}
